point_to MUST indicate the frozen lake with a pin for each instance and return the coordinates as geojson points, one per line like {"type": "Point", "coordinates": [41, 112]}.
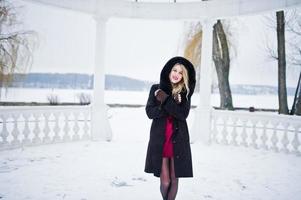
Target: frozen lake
{"type": "Point", "coordinates": [133, 97]}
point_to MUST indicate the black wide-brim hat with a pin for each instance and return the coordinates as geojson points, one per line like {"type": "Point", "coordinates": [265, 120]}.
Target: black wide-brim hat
{"type": "Point", "coordinates": [164, 77]}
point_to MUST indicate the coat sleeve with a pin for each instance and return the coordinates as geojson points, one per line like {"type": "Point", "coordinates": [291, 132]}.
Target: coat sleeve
{"type": "Point", "coordinates": [179, 111]}
{"type": "Point", "coordinates": [153, 109]}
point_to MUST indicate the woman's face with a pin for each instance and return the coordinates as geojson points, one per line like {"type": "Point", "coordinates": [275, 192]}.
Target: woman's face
{"type": "Point", "coordinates": [176, 74]}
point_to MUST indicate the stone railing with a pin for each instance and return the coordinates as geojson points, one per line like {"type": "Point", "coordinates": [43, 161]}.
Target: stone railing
{"type": "Point", "coordinates": [270, 131]}
{"type": "Point", "coordinates": [35, 125]}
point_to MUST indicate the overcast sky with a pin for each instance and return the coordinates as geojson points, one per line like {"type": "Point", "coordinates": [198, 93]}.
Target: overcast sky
{"type": "Point", "coordinates": [138, 48]}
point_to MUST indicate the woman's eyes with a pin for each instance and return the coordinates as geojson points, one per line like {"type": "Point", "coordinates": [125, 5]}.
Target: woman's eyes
{"type": "Point", "coordinates": [174, 70]}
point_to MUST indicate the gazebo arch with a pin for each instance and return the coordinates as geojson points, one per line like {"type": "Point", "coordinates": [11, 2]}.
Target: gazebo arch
{"type": "Point", "coordinates": [209, 11]}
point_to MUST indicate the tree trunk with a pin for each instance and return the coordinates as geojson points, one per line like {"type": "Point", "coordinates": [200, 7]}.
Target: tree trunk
{"type": "Point", "coordinates": [296, 108]}
{"type": "Point", "coordinates": [222, 64]}
{"type": "Point", "coordinates": [282, 95]}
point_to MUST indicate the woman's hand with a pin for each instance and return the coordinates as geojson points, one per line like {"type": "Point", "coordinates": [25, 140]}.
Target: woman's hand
{"type": "Point", "coordinates": [160, 95]}
{"type": "Point", "coordinates": [177, 98]}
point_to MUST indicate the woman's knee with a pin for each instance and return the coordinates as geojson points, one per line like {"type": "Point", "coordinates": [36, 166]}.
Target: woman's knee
{"type": "Point", "coordinates": [165, 183]}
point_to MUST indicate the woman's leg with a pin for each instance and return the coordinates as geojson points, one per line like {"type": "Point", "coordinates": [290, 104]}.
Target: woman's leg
{"type": "Point", "coordinates": [164, 178]}
{"type": "Point", "coordinates": [174, 182]}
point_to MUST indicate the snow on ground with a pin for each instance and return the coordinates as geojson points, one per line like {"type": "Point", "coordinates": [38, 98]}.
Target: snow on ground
{"type": "Point", "coordinates": [114, 170]}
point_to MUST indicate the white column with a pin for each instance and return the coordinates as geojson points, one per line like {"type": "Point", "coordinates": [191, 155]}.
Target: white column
{"type": "Point", "coordinates": [202, 121]}
{"type": "Point", "coordinates": [100, 126]}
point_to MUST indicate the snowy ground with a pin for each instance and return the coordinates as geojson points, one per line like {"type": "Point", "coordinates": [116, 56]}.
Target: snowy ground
{"type": "Point", "coordinates": [114, 170]}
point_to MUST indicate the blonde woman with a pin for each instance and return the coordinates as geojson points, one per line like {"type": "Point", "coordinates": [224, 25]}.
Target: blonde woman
{"type": "Point", "coordinates": [168, 105]}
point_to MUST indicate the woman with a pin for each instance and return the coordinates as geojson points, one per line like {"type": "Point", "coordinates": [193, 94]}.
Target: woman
{"type": "Point", "coordinates": [168, 154]}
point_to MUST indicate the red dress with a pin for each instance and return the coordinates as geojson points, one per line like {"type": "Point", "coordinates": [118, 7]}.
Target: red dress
{"type": "Point", "coordinates": [168, 147]}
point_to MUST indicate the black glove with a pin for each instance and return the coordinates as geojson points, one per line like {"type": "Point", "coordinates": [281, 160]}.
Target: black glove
{"type": "Point", "coordinates": [177, 98]}
{"type": "Point", "coordinates": [161, 95]}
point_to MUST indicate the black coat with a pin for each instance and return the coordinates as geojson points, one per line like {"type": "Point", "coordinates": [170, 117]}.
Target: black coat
{"type": "Point", "coordinates": [158, 113]}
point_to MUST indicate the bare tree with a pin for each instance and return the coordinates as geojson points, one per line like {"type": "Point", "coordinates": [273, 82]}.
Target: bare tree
{"type": "Point", "coordinates": [16, 45]}
{"type": "Point", "coordinates": [288, 53]}
{"type": "Point", "coordinates": [282, 94]}
{"type": "Point", "coordinates": [221, 60]}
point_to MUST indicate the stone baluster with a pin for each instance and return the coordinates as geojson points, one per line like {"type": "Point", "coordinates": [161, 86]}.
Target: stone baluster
{"type": "Point", "coordinates": [4, 133]}
{"type": "Point", "coordinates": [284, 140]}
{"type": "Point", "coordinates": [254, 134]}
{"type": "Point", "coordinates": [46, 129]}
{"type": "Point", "coordinates": [66, 136]}
{"type": "Point", "coordinates": [244, 133]}
{"type": "Point", "coordinates": [214, 130]}
{"type": "Point", "coordinates": [56, 128]}
{"type": "Point", "coordinates": [86, 127]}
{"type": "Point", "coordinates": [264, 136]}
{"type": "Point", "coordinates": [234, 134]}
{"type": "Point", "coordinates": [224, 131]}
{"type": "Point", "coordinates": [26, 131]}
{"type": "Point", "coordinates": [15, 132]}
{"type": "Point", "coordinates": [75, 136]}
{"type": "Point", "coordinates": [296, 141]}
{"type": "Point", "coordinates": [274, 138]}
{"type": "Point", "coordinates": [36, 139]}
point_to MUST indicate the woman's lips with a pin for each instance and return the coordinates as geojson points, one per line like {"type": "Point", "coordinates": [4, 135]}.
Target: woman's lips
{"type": "Point", "coordinates": [175, 78]}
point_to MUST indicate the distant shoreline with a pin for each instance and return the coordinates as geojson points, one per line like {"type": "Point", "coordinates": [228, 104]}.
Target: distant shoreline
{"type": "Point", "coordinates": [79, 81]}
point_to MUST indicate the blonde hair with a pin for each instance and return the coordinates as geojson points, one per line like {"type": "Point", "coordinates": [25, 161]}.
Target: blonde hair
{"type": "Point", "coordinates": [183, 84]}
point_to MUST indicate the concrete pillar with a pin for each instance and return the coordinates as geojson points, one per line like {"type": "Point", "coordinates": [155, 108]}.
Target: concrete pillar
{"type": "Point", "coordinates": [100, 125]}
{"type": "Point", "coordinates": [202, 121]}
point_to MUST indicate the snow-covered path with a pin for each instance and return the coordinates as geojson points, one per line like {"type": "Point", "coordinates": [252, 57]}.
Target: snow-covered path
{"type": "Point", "coordinates": [114, 170]}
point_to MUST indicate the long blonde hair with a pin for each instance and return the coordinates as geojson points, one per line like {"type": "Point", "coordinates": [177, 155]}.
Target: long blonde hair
{"type": "Point", "coordinates": [183, 84]}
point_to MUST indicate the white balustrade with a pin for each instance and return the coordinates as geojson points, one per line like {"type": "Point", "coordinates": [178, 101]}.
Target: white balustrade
{"type": "Point", "coordinates": [36, 125]}
{"type": "Point", "coordinates": [29, 126]}
{"type": "Point", "coordinates": [269, 131]}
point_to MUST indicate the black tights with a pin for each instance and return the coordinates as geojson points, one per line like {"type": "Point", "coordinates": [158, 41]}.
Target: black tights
{"type": "Point", "coordinates": [168, 180]}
